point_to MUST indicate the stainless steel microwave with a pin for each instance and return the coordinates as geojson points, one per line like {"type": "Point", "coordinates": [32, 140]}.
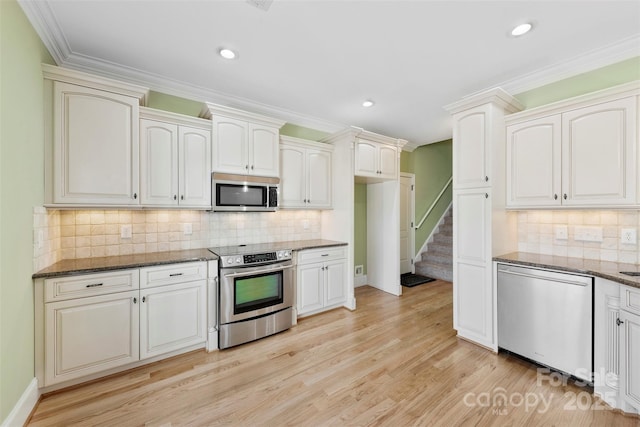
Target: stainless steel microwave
{"type": "Point", "coordinates": [244, 193]}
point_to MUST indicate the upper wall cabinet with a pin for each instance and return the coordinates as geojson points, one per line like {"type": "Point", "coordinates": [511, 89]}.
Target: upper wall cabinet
{"type": "Point", "coordinates": [305, 174]}
{"type": "Point", "coordinates": [175, 160]}
{"type": "Point", "coordinates": [577, 153]}
{"type": "Point", "coordinates": [92, 140]}
{"type": "Point", "coordinates": [376, 160]}
{"type": "Point", "coordinates": [244, 143]}
{"type": "Point", "coordinates": [472, 159]}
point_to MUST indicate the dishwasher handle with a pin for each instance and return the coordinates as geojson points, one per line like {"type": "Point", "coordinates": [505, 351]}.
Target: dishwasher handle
{"type": "Point", "coordinates": [545, 275]}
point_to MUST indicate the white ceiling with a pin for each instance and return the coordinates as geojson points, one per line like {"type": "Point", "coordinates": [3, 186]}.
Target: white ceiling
{"type": "Point", "coordinates": [313, 62]}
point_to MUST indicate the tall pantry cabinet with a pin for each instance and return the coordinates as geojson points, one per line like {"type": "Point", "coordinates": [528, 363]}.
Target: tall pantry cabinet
{"type": "Point", "coordinates": [482, 227]}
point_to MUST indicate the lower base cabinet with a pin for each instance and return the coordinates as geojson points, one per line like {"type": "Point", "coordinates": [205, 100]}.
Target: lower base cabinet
{"type": "Point", "coordinates": [321, 279]}
{"type": "Point", "coordinates": [617, 345]}
{"type": "Point", "coordinates": [94, 323]}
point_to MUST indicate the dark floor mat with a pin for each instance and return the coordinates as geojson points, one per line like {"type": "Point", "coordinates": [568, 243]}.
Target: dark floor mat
{"type": "Point", "coordinates": [410, 280]}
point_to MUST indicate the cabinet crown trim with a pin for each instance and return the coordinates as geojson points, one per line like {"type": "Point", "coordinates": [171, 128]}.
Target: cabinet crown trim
{"type": "Point", "coordinates": [290, 140]}
{"type": "Point", "coordinates": [214, 110]}
{"type": "Point", "coordinates": [51, 72]}
{"type": "Point", "coordinates": [354, 133]}
{"type": "Point", "coordinates": [605, 95]}
{"type": "Point", "coordinates": [497, 96]}
{"type": "Point", "coordinates": [174, 118]}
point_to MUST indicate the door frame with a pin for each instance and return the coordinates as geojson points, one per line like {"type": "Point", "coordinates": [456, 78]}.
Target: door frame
{"type": "Point", "coordinates": [412, 210]}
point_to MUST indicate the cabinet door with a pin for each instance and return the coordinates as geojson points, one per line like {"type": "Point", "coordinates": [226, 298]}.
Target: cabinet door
{"type": "Point", "coordinates": [366, 158]}
{"type": "Point", "coordinates": [88, 335]}
{"type": "Point", "coordinates": [473, 294]}
{"type": "Point", "coordinates": [630, 357]}
{"type": "Point", "coordinates": [598, 153]}
{"type": "Point", "coordinates": [172, 317]}
{"type": "Point", "coordinates": [335, 274]}
{"type": "Point", "coordinates": [319, 179]}
{"type": "Point", "coordinates": [471, 135]}
{"type": "Point", "coordinates": [534, 163]}
{"type": "Point", "coordinates": [292, 177]}
{"type": "Point", "coordinates": [606, 333]}
{"type": "Point", "coordinates": [230, 145]}
{"type": "Point", "coordinates": [158, 163]}
{"type": "Point", "coordinates": [264, 153]}
{"type": "Point", "coordinates": [388, 162]}
{"type": "Point", "coordinates": [194, 166]}
{"type": "Point", "coordinates": [95, 146]}
{"type": "Point", "coordinates": [310, 288]}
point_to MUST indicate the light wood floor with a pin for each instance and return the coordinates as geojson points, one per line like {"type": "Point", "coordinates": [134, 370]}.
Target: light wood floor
{"type": "Point", "coordinates": [393, 362]}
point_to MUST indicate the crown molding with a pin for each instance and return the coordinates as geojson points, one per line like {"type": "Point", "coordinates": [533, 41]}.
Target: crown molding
{"type": "Point", "coordinates": [496, 96]}
{"type": "Point", "coordinates": [46, 25]}
{"type": "Point", "coordinates": [181, 119]}
{"type": "Point", "coordinates": [592, 60]}
{"type": "Point", "coordinates": [353, 132]}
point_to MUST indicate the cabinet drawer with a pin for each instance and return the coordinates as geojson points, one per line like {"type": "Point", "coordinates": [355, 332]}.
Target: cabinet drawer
{"type": "Point", "coordinates": [320, 255]}
{"type": "Point", "coordinates": [172, 273]}
{"type": "Point", "coordinates": [630, 299]}
{"type": "Point", "coordinates": [63, 288]}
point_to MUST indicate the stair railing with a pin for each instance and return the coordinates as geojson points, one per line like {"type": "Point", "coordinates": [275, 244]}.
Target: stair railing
{"type": "Point", "coordinates": [435, 202]}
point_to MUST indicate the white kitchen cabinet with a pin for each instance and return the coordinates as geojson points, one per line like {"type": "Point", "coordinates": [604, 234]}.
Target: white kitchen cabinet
{"type": "Point", "coordinates": [175, 160]}
{"type": "Point", "coordinates": [630, 348]}
{"type": "Point", "coordinates": [172, 317]}
{"type": "Point", "coordinates": [534, 176]}
{"type": "Point", "coordinates": [321, 279]}
{"type": "Point", "coordinates": [84, 336]}
{"type": "Point", "coordinates": [92, 156]}
{"type": "Point", "coordinates": [577, 153]}
{"type": "Point", "coordinates": [376, 160]}
{"type": "Point", "coordinates": [305, 174]}
{"type": "Point", "coordinates": [481, 226]}
{"type": "Point", "coordinates": [93, 324]}
{"type": "Point", "coordinates": [243, 142]}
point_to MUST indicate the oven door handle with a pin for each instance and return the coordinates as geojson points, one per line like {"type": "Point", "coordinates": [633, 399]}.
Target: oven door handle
{"type": "Point", "coordinates": [262, 270]}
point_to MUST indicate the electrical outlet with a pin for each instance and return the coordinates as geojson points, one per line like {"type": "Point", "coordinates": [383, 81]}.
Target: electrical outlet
{"type": "Point", "coordinates": [305, 224]}
{"type": "Point", "coordinates": [125, 231]}
{"type": "Point", "coordinates": [628, 236]}
{"type": "Point", "coordinates": [561, 232]}
{"type": "Point", "coordinates": [359, 269]}
{"type": "Point", "coordinates": [187, 228]}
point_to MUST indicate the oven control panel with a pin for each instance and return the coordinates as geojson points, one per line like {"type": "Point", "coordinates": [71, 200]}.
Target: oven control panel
{"type": "Point", "coordinates": [257, 258]}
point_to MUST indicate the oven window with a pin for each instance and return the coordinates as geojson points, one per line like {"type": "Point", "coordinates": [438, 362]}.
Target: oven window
{"type": "Point", "coordinates": [256, 292]}
{"type": "Point", "coordinates": [241, 195]}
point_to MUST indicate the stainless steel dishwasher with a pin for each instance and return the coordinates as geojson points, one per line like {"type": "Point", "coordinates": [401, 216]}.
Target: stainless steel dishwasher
{"type": "Point", "coordinates": [547, 316]}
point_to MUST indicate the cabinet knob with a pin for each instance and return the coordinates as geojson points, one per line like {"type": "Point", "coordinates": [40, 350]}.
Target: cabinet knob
{"type": "Point", "coordinates": [251, 167]}
{"type": "Point", "coordinates": [135, 195]}
{"type": "Point", "coordinates": [619, 322]}
{"type": "Point", "coordinates": [555, 197]}
{"type": "Point", "coordinates": [246, 167]}
{"type": "Point", "coordinates": [486, 179]}
{"type": "Point", "coordinates": [565, 196]}
{"type": "Point", "coordinates": [182, 197]}
{"type": "Point", "coordinates": [144, 299]}
{"type": "Point", "coordinates": [135, 300]}
{"type": "Point", "coordinates": [175, 197]}
{"type": "Point", "coordinates": [486, 195]}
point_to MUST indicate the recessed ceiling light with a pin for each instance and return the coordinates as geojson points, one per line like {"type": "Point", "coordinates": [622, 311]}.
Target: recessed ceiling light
{"type": "Point", "coordinates": [368, 103]}
{"type": "Point", "coordinates": [521, 29]}
{"type": "Point", "coordinates": [227, 53]}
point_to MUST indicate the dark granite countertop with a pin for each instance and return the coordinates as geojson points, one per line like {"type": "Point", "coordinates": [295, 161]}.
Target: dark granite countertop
{"type": "Point", "coordinates": [70, 267]}
{"type": "Point", "coordinates": [604, 269]}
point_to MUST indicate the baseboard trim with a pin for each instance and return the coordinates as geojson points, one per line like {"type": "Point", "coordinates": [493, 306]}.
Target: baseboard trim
{"type": "Point", "coordinates": [21, 412]}
{"type": "Point", "coordinates": [359, 281]}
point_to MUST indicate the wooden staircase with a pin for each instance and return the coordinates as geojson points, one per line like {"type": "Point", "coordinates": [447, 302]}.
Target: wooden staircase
{"type": "Point", "coordinates": [437, 259]}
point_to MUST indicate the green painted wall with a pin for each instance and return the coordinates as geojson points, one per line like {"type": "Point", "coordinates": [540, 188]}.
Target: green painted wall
{"type": "Point", "coordinates": [601, 78]}
{"type": "Point", "coordinates": [360, 225]}
{"type": "Point", "coordinates": [174, 104]}
{"type": "Point", "coordinates": [21, 188]}
{"type": "Point", "coordinates": [302, 132]}
{"type": "Point", "coordinates": [432, 165]}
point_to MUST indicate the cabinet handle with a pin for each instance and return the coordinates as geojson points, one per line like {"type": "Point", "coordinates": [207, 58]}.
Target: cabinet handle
{"type": "Point", "coordinates": [135, 195]}
{"type": "Point", "coordinates": [486, 179]}
{"type": "Point", "coordinates": [135, 300]}
{"type": "Point", "coordinates": [555, 197]}
{"type": "Point", "coordinates": [175, 274]}
{"type": "Point", "coordinates": [175, 197]}
{"type": "Point", "coordinates": [486, 195]}
{"type": "Point", "coordinates": [144, 299]}
{"type": "Point", "coordinates": [565, 196]}
{"type": "Point", "coordinates": [324, 255]}
{"type": "Point", "coordinates": [619, 322]}
{"type": "Point", "coordinates": [94, 285]}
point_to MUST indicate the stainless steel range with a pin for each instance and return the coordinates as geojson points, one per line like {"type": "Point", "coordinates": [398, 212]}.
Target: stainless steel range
{"type": "Point", "coordinates": [256, 292]}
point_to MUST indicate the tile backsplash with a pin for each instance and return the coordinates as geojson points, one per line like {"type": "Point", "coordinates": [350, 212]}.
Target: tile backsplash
{"type": "Point", "coordinates": [537, 234]}
{"type": "Point", "coordinates": [68, 234]}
